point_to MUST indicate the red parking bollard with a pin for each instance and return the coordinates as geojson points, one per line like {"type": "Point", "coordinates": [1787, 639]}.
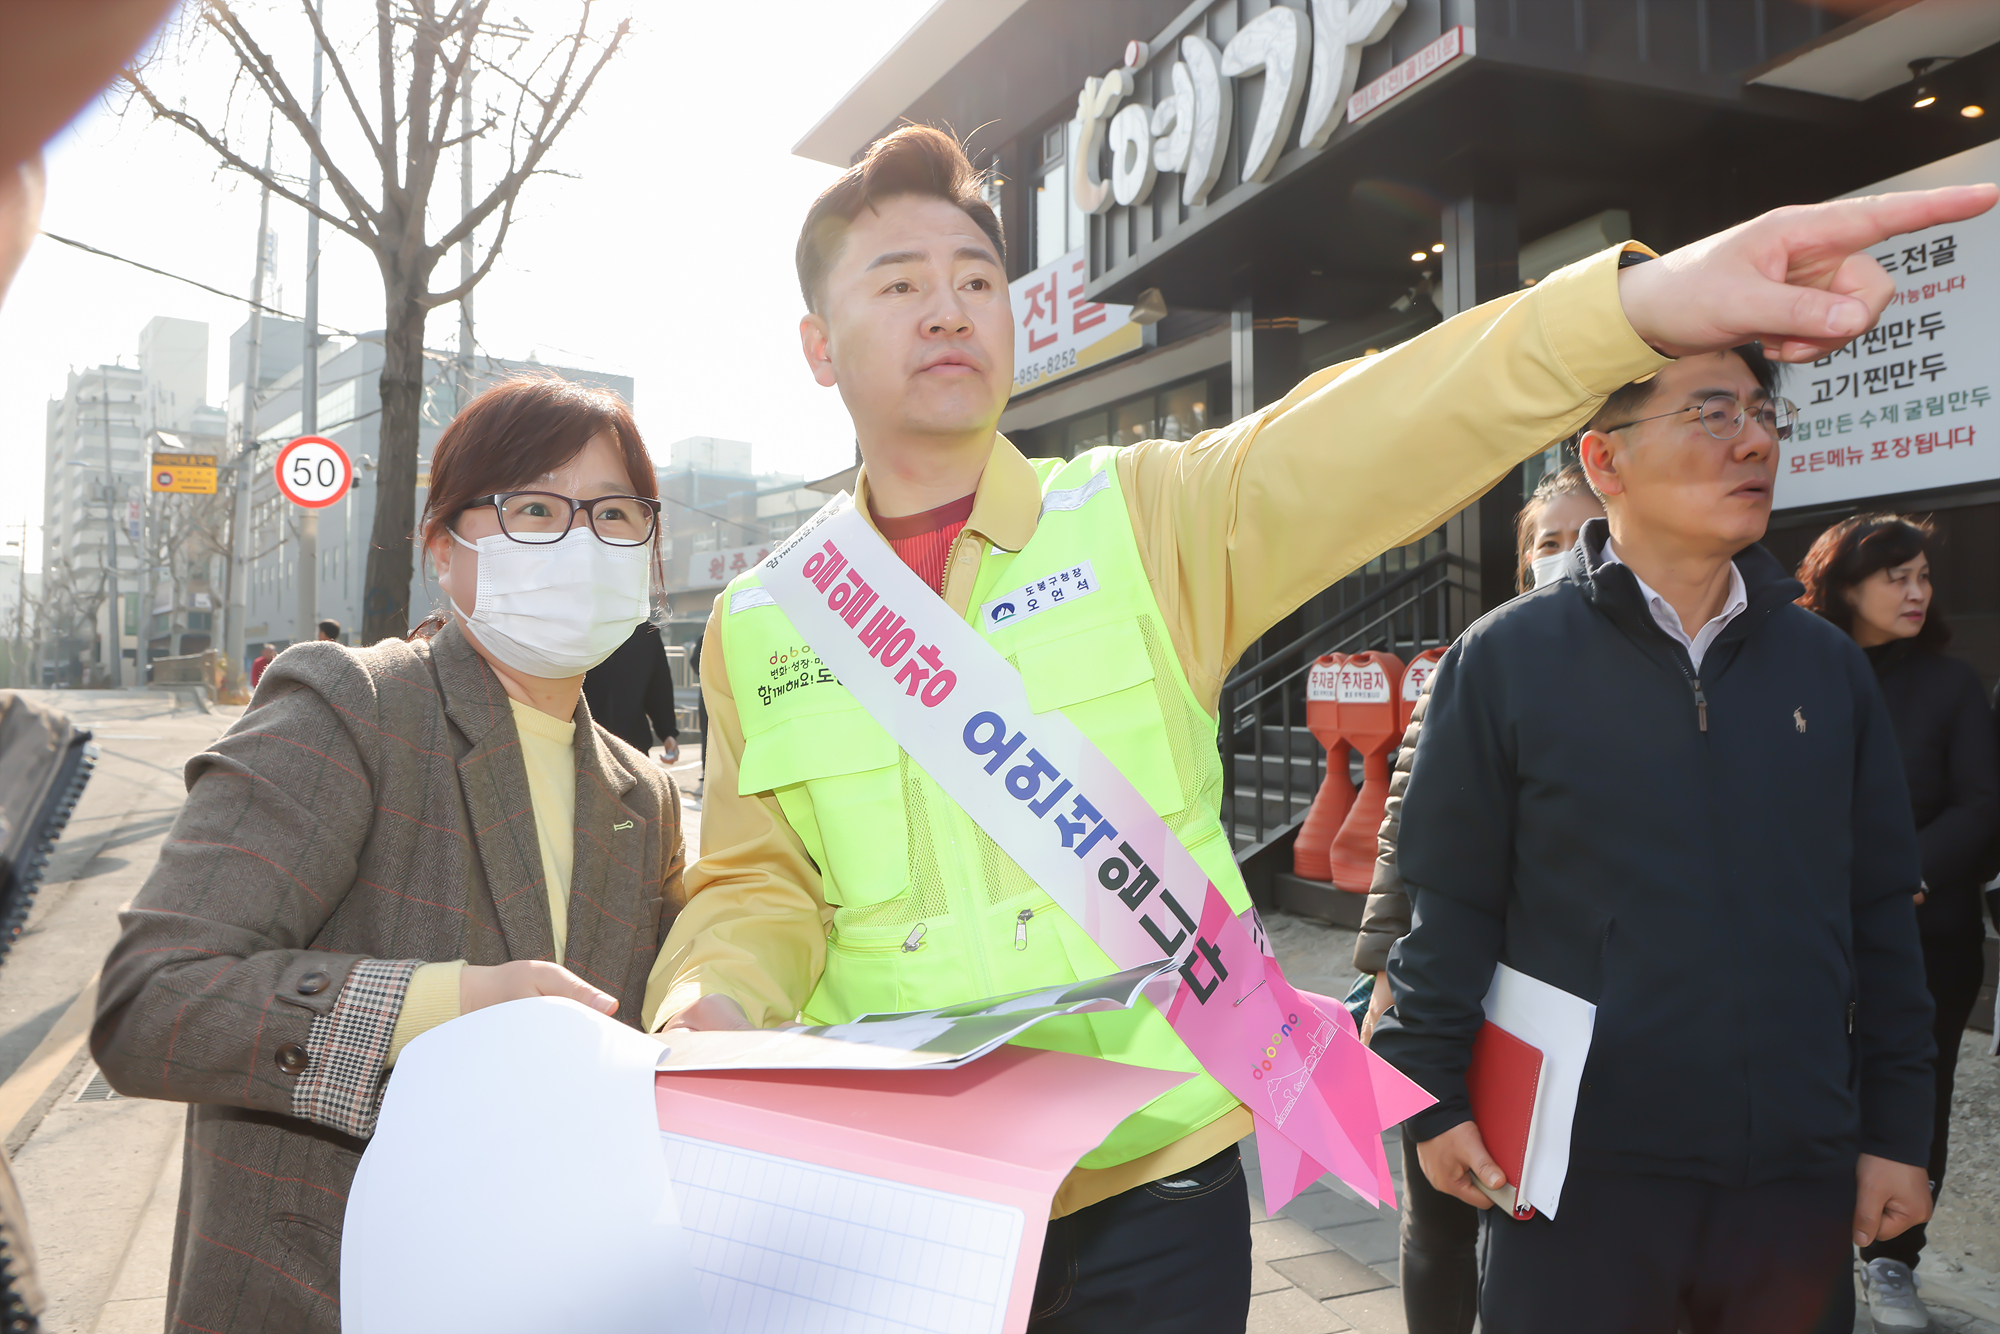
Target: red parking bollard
{"type": "Point", "coordinates": [1336, 791]}
{"type": "Point", "coordinates": [1369, 721]}
{"type": "Point", "coordinates": [1415, 677]}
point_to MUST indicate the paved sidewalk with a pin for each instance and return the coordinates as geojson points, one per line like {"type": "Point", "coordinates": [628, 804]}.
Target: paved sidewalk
{"type": "Point", "coordinates": [1327, 1263]}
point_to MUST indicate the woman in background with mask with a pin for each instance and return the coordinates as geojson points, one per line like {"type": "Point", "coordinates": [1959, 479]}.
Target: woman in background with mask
{"type": "Point", "coordinates": [1438, 1236]}
{"type": "Point", "coordinates": [1547, 525]}
{"type": "Point", "coordinates": [393, 836]}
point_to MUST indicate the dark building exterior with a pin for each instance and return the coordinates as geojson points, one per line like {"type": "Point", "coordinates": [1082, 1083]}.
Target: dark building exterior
{"type": "Point", "coordinates": [1275, 192]}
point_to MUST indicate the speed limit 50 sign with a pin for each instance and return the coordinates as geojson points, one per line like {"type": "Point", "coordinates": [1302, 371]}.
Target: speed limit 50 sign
{"type": "Point", "coordinates": [313, 471]}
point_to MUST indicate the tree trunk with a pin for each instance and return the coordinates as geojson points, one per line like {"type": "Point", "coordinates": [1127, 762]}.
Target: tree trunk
{"type": "Point", "coordinates": [385, 607]}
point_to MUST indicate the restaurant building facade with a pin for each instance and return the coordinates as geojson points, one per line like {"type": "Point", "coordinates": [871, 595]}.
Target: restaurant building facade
{"type": "Point", "coordinates": [1205, 202]}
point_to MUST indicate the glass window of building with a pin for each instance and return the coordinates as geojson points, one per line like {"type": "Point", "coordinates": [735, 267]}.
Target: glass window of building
{"type": "Point", "coordinates": [1051, 199]}
{"type": "Point", "coordinates": [1134, 418]}
{"type": "Point", "coordinates": [1060, 226]}
{"type": "Point", "coordinates": [1087, 432]}
{"type": "Point", "coordinates": [1184, 411]}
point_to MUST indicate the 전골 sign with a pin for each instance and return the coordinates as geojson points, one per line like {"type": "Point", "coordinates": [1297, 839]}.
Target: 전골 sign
{"type": "Point", "coordinates": [313, 471]}
{"type": "Point", "coordinates": [1909, 405]}
{"type": "Point", "coordinates": [1057, 332]}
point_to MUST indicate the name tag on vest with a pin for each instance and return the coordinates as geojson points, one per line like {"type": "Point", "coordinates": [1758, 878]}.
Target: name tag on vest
{"type": "Point", "coordinates": [1052, 801]}
{"type": "Point", "coordinates": [1038, 595]}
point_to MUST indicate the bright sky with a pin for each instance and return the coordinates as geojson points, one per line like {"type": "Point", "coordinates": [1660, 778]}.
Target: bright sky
{"type": "Point", "coordinates": [667, 258]}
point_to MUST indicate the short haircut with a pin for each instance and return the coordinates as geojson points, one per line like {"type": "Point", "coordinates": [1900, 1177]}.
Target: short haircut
{"type": "Point", "coordinates": [916, 160]}
{"type": "Point", "coordinates": [1630, 400]}
{"type": "Point", "coordinates": [1568, 481]}
{"type": "Point", "coordinates": [1856, 548]}
{"type": "Point", "coordinates": [329, 629]}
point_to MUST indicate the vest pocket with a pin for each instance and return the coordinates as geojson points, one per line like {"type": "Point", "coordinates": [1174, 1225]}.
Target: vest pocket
{"type": "Point", "coordinates": [851, 817]}
{"type": "Point", "coordinates": [1102, 679]}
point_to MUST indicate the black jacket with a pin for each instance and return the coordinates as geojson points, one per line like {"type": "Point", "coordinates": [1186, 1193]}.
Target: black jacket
{"type": "Point", "coordinates": [631, 686]}
{"type": "Point", "coordinates": [1736, 900]}
{"type": "Point", "coordinates": [1944, 729]}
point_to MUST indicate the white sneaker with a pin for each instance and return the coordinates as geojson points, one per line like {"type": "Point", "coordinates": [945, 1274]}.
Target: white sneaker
{"type": "Point", "coordinates": [1892, 1296]}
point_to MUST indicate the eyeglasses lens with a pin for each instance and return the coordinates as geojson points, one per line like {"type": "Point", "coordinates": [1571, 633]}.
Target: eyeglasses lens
{"type": "Point", "coordinates": [1722, 417]}
{"type": "Point", "coordinates": [533, 516]}
{"type": "Point", "coordinates": [622, 520]}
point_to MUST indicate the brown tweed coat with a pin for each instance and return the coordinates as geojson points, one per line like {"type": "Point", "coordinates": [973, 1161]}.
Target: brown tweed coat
{"type": "Point", "coordinates": [369, 812]}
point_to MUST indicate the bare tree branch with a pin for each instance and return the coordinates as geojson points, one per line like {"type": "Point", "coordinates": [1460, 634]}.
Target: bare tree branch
{"type": "Point", "coordinates": [346, 85]}
{"type": "Point", "coordinates": [432, 300]}
{"type": "Point", "coordinates": [161, 111]}
{"type": "Point", "coordinates": [542, 140]}
{"type": "Point", "coordinates": [265, 71]}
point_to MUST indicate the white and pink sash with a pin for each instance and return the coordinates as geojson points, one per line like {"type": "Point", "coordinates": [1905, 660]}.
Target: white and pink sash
{"type": "Point", "coordinates": [1076, 825]}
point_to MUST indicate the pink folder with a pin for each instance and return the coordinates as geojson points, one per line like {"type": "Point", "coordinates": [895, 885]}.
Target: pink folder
{"type": "Point", "coordinates": [1006, 1128]}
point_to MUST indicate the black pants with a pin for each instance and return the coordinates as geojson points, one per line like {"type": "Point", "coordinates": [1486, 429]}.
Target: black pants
{"type": "Point", "coordinates": [1650, 1255]}
{"type": "Point", "coordinates": [1438, 1249]}
{"type": "Point", "coordinates": [1168, 1257]}
{"type": "Point", "coordinates": [1954, 968]}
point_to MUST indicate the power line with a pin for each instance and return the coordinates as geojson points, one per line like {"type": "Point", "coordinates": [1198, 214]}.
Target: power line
{"type": "Point", "coordinates": [216, 291]}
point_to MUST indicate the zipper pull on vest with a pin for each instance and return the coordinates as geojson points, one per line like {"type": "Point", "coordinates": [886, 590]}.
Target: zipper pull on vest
{"type": "Point", "coordinates": [1700, 703]}
{"type": "Point", "coordinates": [1021, 928]}
{"type": "Point", "coordinates": [915, 940]}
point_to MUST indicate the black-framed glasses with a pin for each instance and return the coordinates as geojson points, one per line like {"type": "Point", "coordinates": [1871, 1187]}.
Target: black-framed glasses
{"type": "Point", "coordinates": [1723, 415]}
{"type": "Point", "coordinates": [541, 517]}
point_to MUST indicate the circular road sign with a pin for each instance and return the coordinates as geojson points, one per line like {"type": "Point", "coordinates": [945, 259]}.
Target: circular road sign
{"type": "Point", "coordinates": [313, 471]}
{"type": "Point", "coordinates": [163, 479]}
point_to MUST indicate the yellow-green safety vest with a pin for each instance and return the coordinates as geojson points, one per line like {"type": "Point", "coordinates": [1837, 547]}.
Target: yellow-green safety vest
{"type": "Point", "coordinates": [927, 910]}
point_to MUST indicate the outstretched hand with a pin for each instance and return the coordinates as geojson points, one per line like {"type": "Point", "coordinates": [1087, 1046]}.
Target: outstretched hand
{"type": "Point", "coordinates": [1798, 280]}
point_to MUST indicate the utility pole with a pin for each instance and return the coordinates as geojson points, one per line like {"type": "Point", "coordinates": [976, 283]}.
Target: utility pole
{"type": "Point", "coordinates": [464, 395]}
{"type": "Point", "coordinates": [246, 454]}
{"type": "Point", "coordinates": [111, 536]}
{"type": "Point", "coordinates": [309, 380]}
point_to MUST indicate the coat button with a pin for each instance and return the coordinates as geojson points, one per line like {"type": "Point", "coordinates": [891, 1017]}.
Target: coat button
{"type": "Point", "coordinates": [292, 1058]}
{"type": "Point", "coordinates": [313, 983]}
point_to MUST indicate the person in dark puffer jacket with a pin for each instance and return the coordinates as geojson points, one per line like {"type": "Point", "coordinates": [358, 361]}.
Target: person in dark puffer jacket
{"type": "Point", "coordinates": [1870, 576]}
{"type": "Point", "coordinates": [1437, 1235]}
{"type": "Point", "coordinates": [1660, 786]}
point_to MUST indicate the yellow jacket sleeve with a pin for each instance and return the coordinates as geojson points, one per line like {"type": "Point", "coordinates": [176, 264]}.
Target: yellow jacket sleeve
{"type": "Point", "coordinates": [1236, 528]}
{"type": "Point", "coordinates": [754, 925]}
{"type": "Point", "coordinates": [1240, 526]}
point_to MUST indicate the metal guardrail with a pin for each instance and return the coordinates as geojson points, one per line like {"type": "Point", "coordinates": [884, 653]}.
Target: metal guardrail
{"type": "Point", "coordinates": [1273, 766]}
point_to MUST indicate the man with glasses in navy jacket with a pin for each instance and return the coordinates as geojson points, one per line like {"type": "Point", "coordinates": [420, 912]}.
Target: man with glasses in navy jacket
{"type": "Point", "coordinates": [1662, 787]}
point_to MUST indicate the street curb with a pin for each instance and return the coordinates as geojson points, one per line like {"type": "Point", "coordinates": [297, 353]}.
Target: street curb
{"type": "Point", "coordinates": [48, 1069]}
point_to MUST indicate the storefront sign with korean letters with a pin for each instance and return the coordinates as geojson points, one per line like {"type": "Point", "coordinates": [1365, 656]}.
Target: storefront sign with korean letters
{"type": "Point", "coordinates": [1057, 332]}
{"type": "Point", "coordinates": [1909, 405]}
{"type": "Point", "coordinates": [707, 569]}
{"type": "Point", "coordinates": [1305, 62]}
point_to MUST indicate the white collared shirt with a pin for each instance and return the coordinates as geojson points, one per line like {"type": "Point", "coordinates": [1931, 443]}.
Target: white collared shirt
{"type": "Point", "coordinates": [1669, 620]}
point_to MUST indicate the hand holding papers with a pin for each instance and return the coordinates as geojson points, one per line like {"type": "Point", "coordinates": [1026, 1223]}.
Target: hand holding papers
{"type": "Point", "coordinates": [1526, 1068]}
{"type": "Point", "coordinates": [515, 1183]}
{"type": "Point", "coordinates": [939, 1039]}
{"type": "Point", "coordinates": [531, 1171]}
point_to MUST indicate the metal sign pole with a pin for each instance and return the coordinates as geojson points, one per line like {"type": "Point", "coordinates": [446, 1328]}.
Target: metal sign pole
{"type": "Point", "coordinates": [309, 381]}
{"type": "Point", "coordinates": [246, 457]}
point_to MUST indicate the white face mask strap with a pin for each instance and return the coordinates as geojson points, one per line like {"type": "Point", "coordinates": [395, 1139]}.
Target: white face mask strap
{"type": "Point", "coordinates": [469, 546]}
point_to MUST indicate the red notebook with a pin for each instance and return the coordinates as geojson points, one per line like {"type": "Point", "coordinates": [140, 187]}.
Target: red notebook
{"type": "Point", "coordinates": [1502, 1080]}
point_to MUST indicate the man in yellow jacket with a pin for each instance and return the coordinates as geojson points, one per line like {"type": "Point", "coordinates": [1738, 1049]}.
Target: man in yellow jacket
{"type": "Point", "coordinates": [836, 877]}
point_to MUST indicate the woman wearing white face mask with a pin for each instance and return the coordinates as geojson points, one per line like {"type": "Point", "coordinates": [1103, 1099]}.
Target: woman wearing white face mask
{"type": "Point", "coordinates": [393, 836]}
{"type": "Point", "coordinates": [1547, 525]}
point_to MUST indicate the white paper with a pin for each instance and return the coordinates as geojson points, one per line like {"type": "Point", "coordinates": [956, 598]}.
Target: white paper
{"type": "Point", "coordinates": [940, 1039]}
{"type": "Point", "coordinates": [516, 1182]}
{"type": "Point", "coordinates": [790, 1247]}
{"type": "Point", "coordinates": [1559, 1025]}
